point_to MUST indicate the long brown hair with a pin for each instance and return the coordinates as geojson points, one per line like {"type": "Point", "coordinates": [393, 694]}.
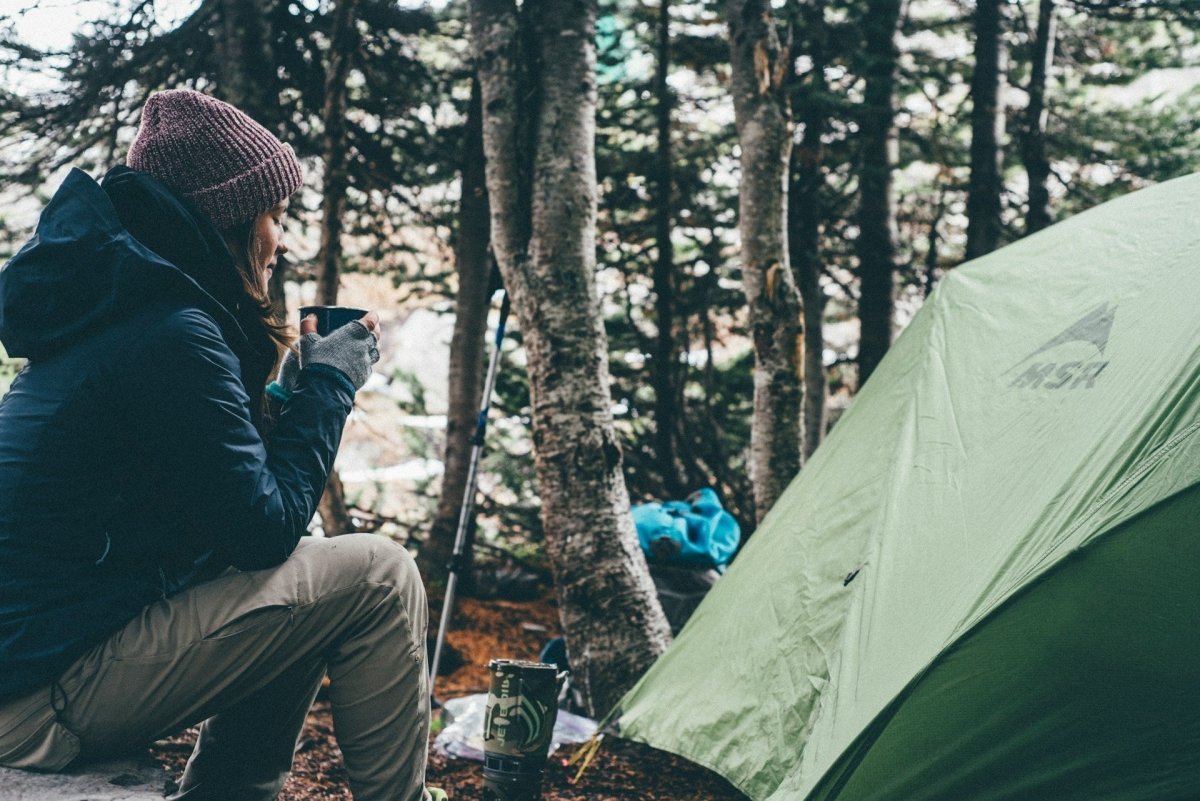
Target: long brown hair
{"type": "Point", "coordinates": [243, 243]}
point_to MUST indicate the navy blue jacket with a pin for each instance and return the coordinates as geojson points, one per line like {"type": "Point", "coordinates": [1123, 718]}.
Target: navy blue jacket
{"type": "Point", "coordinates": [131, 460]}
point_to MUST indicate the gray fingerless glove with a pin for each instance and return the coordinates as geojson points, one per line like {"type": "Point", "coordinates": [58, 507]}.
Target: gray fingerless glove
{"type": "Point", "coordinates": [349, 349]}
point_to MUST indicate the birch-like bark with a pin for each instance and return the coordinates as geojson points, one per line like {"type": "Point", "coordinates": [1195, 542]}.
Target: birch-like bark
{"type": "Point", "coordinates": [876, 244]}
{"type": "Point", "coordinates": [759, 66]}
{"type": "Point", "coordinates": [466, 348]}
{"type": "Point", "coordinates": [1033, 146]}
{"type": "Point", "coordinates": [987, 130]}
{"type": "Point", "coordinates": [543, 237]}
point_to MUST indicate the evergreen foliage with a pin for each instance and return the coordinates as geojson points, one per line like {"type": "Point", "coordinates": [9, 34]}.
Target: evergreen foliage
{"type": "Point", "coordinates": [1111, 127]}
{"type": "Point", "coordinates": [402, 154]}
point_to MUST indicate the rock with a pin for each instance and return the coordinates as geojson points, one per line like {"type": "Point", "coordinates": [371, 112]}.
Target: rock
{"type": "Point", "coordinates": [135, 778]}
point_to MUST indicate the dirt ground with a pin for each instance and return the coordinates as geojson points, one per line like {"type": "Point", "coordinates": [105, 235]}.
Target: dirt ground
{"type": "Point", "coordinates": [483, 630]}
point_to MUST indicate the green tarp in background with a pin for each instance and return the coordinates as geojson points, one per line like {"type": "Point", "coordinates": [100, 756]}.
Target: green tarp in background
{"type": "Point", "coordinates": [986, 583]}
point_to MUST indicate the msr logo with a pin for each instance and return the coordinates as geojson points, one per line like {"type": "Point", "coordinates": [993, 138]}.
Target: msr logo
{"type": "Point", "coordinates": [1077, 349]}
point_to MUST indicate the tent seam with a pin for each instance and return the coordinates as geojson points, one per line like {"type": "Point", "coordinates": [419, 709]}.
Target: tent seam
{"type": "Point", "coordinates": [1156, 457]}
{"type": "Point", "coordinates": [873, 553]}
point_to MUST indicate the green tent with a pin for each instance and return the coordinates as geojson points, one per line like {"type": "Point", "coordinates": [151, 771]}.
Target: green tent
{"type": "Point", "coordinates": [986, 583]}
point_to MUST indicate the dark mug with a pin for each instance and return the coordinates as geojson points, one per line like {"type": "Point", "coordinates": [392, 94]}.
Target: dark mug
{"type": "Point", "coordinates": [331, 318]}
{"type": "Point", "coordinates": [518, 723]}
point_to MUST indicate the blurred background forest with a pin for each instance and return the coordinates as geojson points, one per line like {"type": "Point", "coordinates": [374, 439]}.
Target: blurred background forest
{"type": "Point", "coordinates": [917, 135]}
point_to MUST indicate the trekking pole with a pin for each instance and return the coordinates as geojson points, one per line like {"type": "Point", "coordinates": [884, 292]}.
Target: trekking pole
{"type": "Point", "coordinates": [457, 561]}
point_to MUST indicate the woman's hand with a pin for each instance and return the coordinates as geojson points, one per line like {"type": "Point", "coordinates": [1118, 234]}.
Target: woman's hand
{"type": "Point", "coordinates": [294, 361]}
{"type": "Point", "coordinates": [350, 349]}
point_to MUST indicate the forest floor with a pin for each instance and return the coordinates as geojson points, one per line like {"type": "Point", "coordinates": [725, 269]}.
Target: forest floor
{"type": "Point", "coordinates": [484, 630]}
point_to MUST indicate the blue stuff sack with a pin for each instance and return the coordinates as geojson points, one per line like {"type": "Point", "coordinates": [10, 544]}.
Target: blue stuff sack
{"type": "Point", "coordinates": [697, 531]}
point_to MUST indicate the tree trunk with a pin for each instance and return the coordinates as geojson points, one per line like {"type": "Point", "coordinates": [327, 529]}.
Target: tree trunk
{"type": "Point", "coordinates": [466, 348]}
{"type": "Point", "coordinates": [334, 517]}
{"type": "Point", "coordinates": [877, 214]}
{"type": "Point", "coordinates": [333, 156]}
{"type": "Point", "coordinates": [247, 78]}
{"type": "Point", "coordinates": [761, 112]}
{"type": "Point", "coordinates": [543, 236]}
{"type": "Point", "coordinates": [804, 226]}
{"type": "Point", "coordinates": [931, 252]}
{"type": "Point", "coordinates": [664, 375]}
{"type": "Point", "coordinates": [246, 61]}
{"type": "Point", "coordinates": [987, 130]}
{"type": "Point", "coordinates": [1033, 146]}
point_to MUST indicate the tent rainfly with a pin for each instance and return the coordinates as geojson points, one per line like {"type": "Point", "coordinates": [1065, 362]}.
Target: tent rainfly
{"type": "Point", "coordinates": [985, 585]}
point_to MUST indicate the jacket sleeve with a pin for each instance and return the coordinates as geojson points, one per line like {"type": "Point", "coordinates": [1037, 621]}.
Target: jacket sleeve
{"type": "Point", "coordinates": [256, 501]}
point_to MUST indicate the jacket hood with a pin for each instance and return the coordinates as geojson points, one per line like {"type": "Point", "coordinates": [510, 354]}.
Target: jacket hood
{"type": "Point", "coordinates": [176, 230]}
{"type": "Point", "coordinates": [102, 250]}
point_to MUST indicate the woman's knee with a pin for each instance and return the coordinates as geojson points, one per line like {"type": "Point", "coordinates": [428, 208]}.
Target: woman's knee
{"type": "Point", "coordinates": [367, 562]}
{"type": "Point", "coordinates": [380, 559]}
{"type": "Point", "coordinates": [400, 566]}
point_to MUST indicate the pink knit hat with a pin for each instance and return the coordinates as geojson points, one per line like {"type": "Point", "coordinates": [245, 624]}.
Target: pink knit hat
{"type": "Point", "coordinates": [214, 155]}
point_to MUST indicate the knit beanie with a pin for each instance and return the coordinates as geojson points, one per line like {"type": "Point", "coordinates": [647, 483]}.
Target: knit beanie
{"type": "Point", "coordinates": [214, 155]}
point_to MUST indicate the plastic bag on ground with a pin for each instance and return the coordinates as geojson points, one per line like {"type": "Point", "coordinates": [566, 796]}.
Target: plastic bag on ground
{"type": "Point", "coordinates": [463, 735]}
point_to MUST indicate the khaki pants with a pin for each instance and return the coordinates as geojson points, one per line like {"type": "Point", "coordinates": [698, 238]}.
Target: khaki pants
{"type": "Point", "coordinates": [245, 653]}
